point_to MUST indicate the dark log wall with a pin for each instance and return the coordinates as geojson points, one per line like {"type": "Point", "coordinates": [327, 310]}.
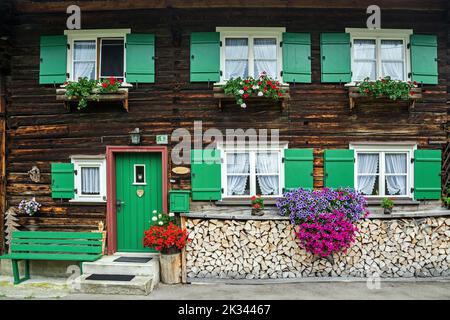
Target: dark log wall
{"type": "Point", "coordinates": [41, 130]}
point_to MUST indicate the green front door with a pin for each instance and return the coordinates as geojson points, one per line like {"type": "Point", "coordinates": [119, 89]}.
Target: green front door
{"type": "Point", "coordinates": [138, 193]}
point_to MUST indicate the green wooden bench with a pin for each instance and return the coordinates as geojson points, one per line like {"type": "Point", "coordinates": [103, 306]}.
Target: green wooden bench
{"type": "Point", "coordinates": [49, 245]}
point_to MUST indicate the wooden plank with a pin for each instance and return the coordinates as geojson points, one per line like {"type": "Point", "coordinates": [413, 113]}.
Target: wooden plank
{"type": "Point", "coordinates": [2, 159]}
{"type": "Point", "coordinates": [52, 256]}
{"type": "Point", "coordinates": [56, 248]}
{"type": "Point", "coordinates": [28, 6]}
{"type": "Point", "coordinates": [56, 235]}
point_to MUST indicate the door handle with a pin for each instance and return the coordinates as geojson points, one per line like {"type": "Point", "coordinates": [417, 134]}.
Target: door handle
{"type": "Point", "coordinates": [119, 205]}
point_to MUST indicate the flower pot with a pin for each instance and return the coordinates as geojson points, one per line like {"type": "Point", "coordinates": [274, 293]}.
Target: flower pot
{"type": "Point", "coordinates": [170, 266]}
{"type": "Point", "coordinates": [257, 212]}
{"type": "Point", "coordinates": [387, 210]}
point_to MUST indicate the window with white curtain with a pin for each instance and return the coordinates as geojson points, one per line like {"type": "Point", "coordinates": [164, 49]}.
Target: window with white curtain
{"type": "Point", "coordinates": [90, 179]}
{"type": "Point", "coordinates": [252, 171]}
{"type": "Point", "coordinates": [380, 53]}
{"type": "Point", "coordinates": [384, 171]}
{"type": "Point", "coordinates": [96, 53]}
{"type": "Point", "coordinates": [250, 51]}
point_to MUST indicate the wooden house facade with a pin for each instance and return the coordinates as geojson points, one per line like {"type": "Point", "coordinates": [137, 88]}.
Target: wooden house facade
{"type": "Point", "coordinates": [171, 55]}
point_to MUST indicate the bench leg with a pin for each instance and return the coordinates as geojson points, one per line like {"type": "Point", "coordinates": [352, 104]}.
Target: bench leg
{"type": "Point", "coordinates": [27, 270]}
{"type": "Point", "coordinates": [16, 273]}
{"type": "Point", "coordinates": [15, 268]}
{"type": "Point", "coordinates": [81, 267]}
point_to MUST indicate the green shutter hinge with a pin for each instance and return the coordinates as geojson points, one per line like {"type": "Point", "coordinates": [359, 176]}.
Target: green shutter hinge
{"type": "Point", "coordinates": [412, 160]}
{"type": "Point", "coordinates": [282, 160]}
{"type": "Point", "coordinates": [220, 43]}
{"type": "Point", "coordinates": [412, 190]}
{"type": "Point", "coordinates": [408, 46]}
{"type": "Point", "coordinates": [68, 46]}
{"type": "Point", "coordinates": [281, 44]}
{"type": "Point", "coordinates": [75, 172]}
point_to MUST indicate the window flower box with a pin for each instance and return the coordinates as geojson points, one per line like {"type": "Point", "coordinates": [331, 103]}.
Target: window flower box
{"type": "Point", "coordinates": [121, 96]}
{"type": "Point", "coordinates": [244, 90]}
{"type": "Point", "coordinates": [85, 90]}
{"type": "Point", "coordinates": [384, 91]}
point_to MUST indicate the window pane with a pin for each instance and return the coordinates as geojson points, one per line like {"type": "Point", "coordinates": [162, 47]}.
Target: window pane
{"type": "Point", "coordinates": [364, 49]}
{"type": "Point", "coordinates": [238, 185]}
{"type": "Point", "coordinates": [396, 185]}
{"type": "Point", "coordinates": [368, 170]}
{"type": "Point", "coordinates": [112, 58]}
{"type": "Point", "coordinates": [392, 50]}
{"type": "Point", "coordinates": [238, 163]}
{"type": "Point", "coordinates": [139, 174]}
{"type": "Point", "coordinates": [267, 169]}
{"type": "Point", "coordinates": [364, 64]}
{"type": "Point", "coordinates": [267, 163]}
{"type": "Point", "coordinates": [368, 185]}
{"type": "Point", "coordinates": [84, 57]}
{"type": "Point", "coordinates": [236, 57]}
{"type": "Point", "coordinates": [267, 185]}
{"type": "Point", "coordinates": [396, 163]}
{"type": "Point", "coordinates": [90, 180]}
{"type": "Point", "coordinates": [265, 53]}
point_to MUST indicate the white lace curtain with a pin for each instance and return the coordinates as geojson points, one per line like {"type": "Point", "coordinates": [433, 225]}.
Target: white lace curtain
{"type": "Point", "coordinates": [237, 163]}
{"type": "Point", "coordinates": [367, 167]}
{"type": "Point", "coordinates": [392, 59]}
{"type": "Point", "coordinates": [267, 163]}
{"type": "Point", "coordinates": [236, 57]}
{"type": "Point", "coordinates": [90, 180]}
{"type": "Point", "coordinates": [265, 53]}
{"type": "Point", "coordinates": [396, 164]}
{"type": "Point", "coordinates": [365, 63]}
{"type": "Point", "coordinates": [84, 59]}
{"type": "Point", "coordinates": [365, 59]}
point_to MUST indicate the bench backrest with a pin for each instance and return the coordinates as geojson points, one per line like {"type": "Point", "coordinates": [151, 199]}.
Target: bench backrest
{"type": "Point", "coordinates": [56, 242]}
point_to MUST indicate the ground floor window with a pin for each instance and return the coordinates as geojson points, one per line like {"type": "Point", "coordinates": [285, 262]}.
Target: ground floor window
{"type": "Point", "coordinates": [252, 171]}
{"type": "Point", "coordinates": [384, 170]}
{"type": "Point", "coordinates": [90, 179]}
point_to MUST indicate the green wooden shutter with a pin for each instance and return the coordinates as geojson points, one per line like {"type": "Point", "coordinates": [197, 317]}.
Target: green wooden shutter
{"type": "Point", "coordinates": [205, 174]}
{"type": "Point", "coordinates": [424, 68]}
{"type": "Point", "coordinates": [205, 56]}
{"type": "Point", "coordinates": [297, 57]}
{"type": "Point", "coordinates": [53, 60]}
{"type": "Point", "coordinates": [298, 169]}
{"type": "Point", "coordinates": [335, 57]}
{"type": "Point", "coordinates": [427, 174]}
{"type": "Point", "coordinates": [339, 168]}
{"type": "Point", "coordinates": [140, 52]}
{"type": "Point", "coordinates": [63, 180]}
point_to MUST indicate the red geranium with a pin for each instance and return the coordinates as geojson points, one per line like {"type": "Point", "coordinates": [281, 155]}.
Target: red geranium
{"type": "Point", "coordinates": [165, 238]}
{"type": "Point", "coordinates": [245, 95]}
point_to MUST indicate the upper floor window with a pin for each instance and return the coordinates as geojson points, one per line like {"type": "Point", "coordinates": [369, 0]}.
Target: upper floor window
{"type": "Point", "coordinates": [249, 51]}
{"type": "Point", "coordinates": [380, 53]}
{"type": "Point", "coordinates": [96, 54]}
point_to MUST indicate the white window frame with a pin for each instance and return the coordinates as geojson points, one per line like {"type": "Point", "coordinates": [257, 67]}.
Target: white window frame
{"type": "Point", "coordinates": [252, 150]}
{"type": "Point", "coordinates": [250, 34]}
{"type": "Point", "coordinates": [134, 175]}
{"type": "Point", "coordinates": [382, 149]}
{"type": "Point", "coordinates": [94, 34]}
{"type": "Point", "coordinates": [89, 161]}
{"type": "Point", "coordinates": [378, 35]}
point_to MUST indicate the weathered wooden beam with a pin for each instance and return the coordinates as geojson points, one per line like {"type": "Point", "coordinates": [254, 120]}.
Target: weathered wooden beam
{"type": "Point", "coordinates": [2, 159]}
{"type": "Point", "coordinates": [27, 6]}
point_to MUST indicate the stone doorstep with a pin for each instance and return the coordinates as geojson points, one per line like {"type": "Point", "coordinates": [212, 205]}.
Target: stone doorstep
{"type": "Point", "coordinates": [106, 265]}
{"type": "Point", "coordinates": [139, 285]}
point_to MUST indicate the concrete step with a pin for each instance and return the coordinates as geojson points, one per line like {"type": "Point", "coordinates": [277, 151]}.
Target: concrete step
{"type": "Point", "coordinates": [107, 265]}
{"type": "Point", "coordinates": [139, 285]}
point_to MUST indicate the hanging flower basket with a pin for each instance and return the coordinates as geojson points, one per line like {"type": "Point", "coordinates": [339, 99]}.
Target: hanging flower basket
{"type": "Point", "coordinates": [244, 90]}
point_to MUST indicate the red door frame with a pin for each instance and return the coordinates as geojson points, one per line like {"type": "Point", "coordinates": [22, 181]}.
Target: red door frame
{"type": "Point", "coordinates": [111, 151]}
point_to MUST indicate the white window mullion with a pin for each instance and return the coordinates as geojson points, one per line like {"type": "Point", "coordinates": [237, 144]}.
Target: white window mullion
{"type": "Point", "coordinates": [252, 179]}
{"type": "Point", "coordinates": [251, 57]}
